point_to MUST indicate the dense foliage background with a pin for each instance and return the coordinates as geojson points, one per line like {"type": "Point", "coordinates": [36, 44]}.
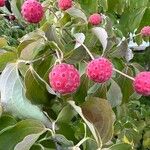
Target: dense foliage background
{"type": "Point", "coordinates": [97, 116]}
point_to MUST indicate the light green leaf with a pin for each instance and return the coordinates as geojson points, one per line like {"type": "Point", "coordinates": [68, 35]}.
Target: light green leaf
{"type": "Point", "coordinates": [28, 141]}
{"type": "Point", "coordinates": [5, 58]}
{"type": "Point", "coordinates": [101, 35]}
{"type": "Point", "coordinates": [79, 37]}
{"type": "Point", "coordinates": [114, 94]}
{"type": "Point", "coordinates": [75, 12]}
{"type": "Point", "coordinates": [3, 42]}
{"type": "Point", "coordinates": [13, 97]}
{"type": "Point", "coordinates": [31, 50]}
{"type": "Point", "coordinates": [15, 9]}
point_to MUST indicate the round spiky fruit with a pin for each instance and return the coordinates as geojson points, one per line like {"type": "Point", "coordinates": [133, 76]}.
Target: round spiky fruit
{"type": "Point", "coordinates": [64, 78]}
{"type": "Point", "coordinates": [145, 31]}
{"type": "Point", "coordinates": [99, 70]}
{"type": "Point", "coordinates": [95, 19]}
{"type": "Point", "coordinates": [142, 83]}
{"type": "Point", "coordinates": [32, 11]}
{"type": "Point", "coordinates": [2, 3]}
{"type": "Point", "coordinates": [64, 4]}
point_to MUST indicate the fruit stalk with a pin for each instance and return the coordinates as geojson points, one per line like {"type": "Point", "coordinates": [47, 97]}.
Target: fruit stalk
{"type": "Point", "coordinates": [123, 74]}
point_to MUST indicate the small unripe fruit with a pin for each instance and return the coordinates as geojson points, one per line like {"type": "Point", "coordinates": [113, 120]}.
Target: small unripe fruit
{"type": "Point", "coordinates": [142, 83]}
{"type": "Point", "coordinates": [64, 78]}
{"type": "Point", "coordinates": [32, 11]}
{"type": "Point", "coordinates": [64, 4]}
{"type": "Point", "coordinates": [145, 31]}
{"type": "Point", "coordinates": [2, 3]}
{"type": "Point", "coordinates": [95, 19]}
{"type": "Point", "coordinates": [12, 17]}
{"type": "Point", "coordinates": [99, 70]}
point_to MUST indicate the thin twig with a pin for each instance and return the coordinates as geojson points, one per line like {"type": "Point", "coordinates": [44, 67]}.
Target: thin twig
{"type": "Point", "coordinates": [124, 74]}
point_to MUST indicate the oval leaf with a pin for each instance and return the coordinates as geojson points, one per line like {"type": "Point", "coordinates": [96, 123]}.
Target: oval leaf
{"type": "Point", "coordinates": [13, 97]}
{"type": "Point", "coordinates": [76, 13]}
{"type": "Point", "coordinates": [99, 113]}
{"type": "Point", "coordinates": [101, 35]}
{"type": "Point", "coordinates": [14, 135]}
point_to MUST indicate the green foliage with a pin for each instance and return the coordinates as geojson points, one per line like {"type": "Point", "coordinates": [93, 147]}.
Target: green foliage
{"type": "Point", "coordinates": [108, 116]}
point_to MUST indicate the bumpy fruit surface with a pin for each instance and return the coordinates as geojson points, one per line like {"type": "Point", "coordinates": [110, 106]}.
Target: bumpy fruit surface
{"type": "Point", "coordinates": [145, 31]}
{"type": "Point", "coordinates": [64, 4]}
{"type": "Point", "coordinates": [142, 83]}
{"type": "Point", "coordinates": [64, 78]}
{"type": "Point", "coordinates": [2, 3]}
{"type": "Point", "coordinates": [32, 11]}
{"type": "Point", "coordinates": [95, 19]}
{"type": "Point", "coordinates": [99, 70]}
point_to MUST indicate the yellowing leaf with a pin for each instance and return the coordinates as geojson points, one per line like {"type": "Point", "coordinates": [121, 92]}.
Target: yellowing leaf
{"type": "Point", "coordinates": [99, 113]}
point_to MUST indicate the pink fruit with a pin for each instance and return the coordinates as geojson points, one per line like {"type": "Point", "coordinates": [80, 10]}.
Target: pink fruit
{"type": "Point", "coordinates": [32, 11]}
{"type": "Point", "coordinates": [145, 31]}
{"type": "Point", "coordinates": [142, 83]}
{"type": "Point", "coordinates": [2, 3]}
{"type": "Point", "coordinates": [99, 70]}
{"type": "Point", "coordinates": [64, 4]}
{"type": "Point", "coordinates": [64, 78]}
{"type": "Point", "coordinates": [95, 19]}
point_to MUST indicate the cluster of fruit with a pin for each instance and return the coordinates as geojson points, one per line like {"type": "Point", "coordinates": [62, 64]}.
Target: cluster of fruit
{"type": "Point", "coordinates": [64, 78]}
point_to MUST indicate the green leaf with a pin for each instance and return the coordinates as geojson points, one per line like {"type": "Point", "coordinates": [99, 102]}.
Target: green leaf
{"type": "Point", "coordinates": [101, 34]}
{"type": "Point", "coordinates": [28, 141]}
{"type": "Point", "coordinates": [41, 95]}
{"type": "Point", "coordinates": [1, 110]}
{"type": "Point", "coordinates": [79, 96]}
{"type": "Point", "coordinates": [126, 84]}
{"type": "Point", "coordinates": [122, 146]}
{"type": "Point", "coordinates": [6, 121]}
{"type": "Point", "coordinates": [5, 58]}
{"type": "Point", "coordinates": [114, 94]}
{"type": "Point", "coordinates": [89, 6]}
{"type": "Point", "coordinates": [64, 116]}
{"type": "Point", "coordinates": [75, 12]}
{"type": "Point", "coordinates": [131, 20]}
{"type": "Point", "coordinates": [13, 96]}
{"type": "Point", "coordinates": [63, 141]}
{"type": "Point", "coordinates": [90, 125]}
{"type": "Point", "coordinates": [15, 7]}
{"type": "Point", "coordinates": [31, 50]}
{"type": "Point", "coordinates": [52, 35]}
{"type": "Point", "coordinates": [99, 113]}
{"type": "Point", "coordinates": [11, 137]}
{"type": "Point", "coordinates": [3, 42]}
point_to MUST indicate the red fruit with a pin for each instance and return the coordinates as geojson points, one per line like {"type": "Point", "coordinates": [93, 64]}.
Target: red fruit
{"type": "Point", "coordinates": [32, 11]}
{"type": "Point", "coordinates": [145, 31]}
{"type": "Point", "coordinates": [95, 19]}
{"type": "Point", "coordinates": [64, 4]}
{"type": "Point", "coordinates": [142, 83]}
{"type": "Point", "coordinates": [64, 78]}
{"type": "Point", "coordinates": [99, 70]}
{"type": "Point", "coordinates": [2, 3]}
